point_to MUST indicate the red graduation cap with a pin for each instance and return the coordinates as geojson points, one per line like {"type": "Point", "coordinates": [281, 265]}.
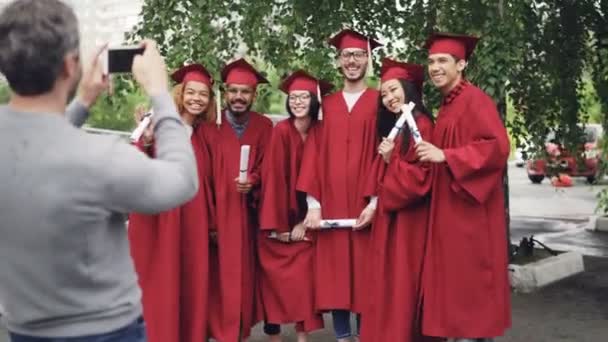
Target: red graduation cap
{"type": "Point", "coordinates": [301, 80]}
{"type": "Point", "coordinates": [241, 72]}
{"type": "Point", "coordinates": [392, 69]}
{"type": "Point", "coordinates": [348, 38]}
{"type": "Point", "coordinates": [193, 72]}
{"type": "Point", "coordinates": [460, 46]}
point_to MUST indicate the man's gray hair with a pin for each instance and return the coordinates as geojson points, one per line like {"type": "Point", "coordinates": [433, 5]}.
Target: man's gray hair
{"type": "Point", "coordinates": [35, 36]}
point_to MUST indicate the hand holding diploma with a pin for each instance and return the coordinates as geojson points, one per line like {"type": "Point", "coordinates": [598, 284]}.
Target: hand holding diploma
{"type": "Point", "coordinates": [296, 235]}
{"type": "Point", "coordinates": [243, 188]}
{"type": "Point", "coordinates": [145, 126]}
{"type": "Point", "coordinates": [386, 149]}
{"type": "Point", "coordinates": [365, 219]}
{"type": "Point", "coordinates": [243, 184]}
{"type": "Point", "coordinates": [428, 152]}
{"type": "Point", "coordinates": [313, 219]}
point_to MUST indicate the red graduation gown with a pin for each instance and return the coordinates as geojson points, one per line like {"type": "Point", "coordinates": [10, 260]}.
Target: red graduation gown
{"type": "Point", "coordinates": [334, 171]}
{"type": "Point", "coordinates": [465, 282]}
{"type": "Point", "coordinates": [398, 241]}
{"type": "Point", "coordinates": [170, 253]}
{"type": "Point", "coordinates": [286, 282]}
{"type": "Point", "coordinates": [232, 290]}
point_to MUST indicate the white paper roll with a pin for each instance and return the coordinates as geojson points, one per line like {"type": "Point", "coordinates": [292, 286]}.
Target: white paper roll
{"type": "Point", "coordinates": [139, 131]}
{"type": "Point", "coordinates": [339, 223]}
{"type": "Point", "coordinates": [409, 118]}
{"type": "Point", "coordinates": [398, 125]}
{"type": "Point", "coordinates": [244, 164]}
{"type": "Point", "coordinates": [405, 109]}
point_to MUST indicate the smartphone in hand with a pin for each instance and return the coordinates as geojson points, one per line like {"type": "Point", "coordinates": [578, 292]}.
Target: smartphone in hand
{"type": "Point", "coordinates": [120, 59]}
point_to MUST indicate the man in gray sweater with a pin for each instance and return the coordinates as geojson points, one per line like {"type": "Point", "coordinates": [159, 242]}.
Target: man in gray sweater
{"type": "Point", "coordinates": [65, 267]}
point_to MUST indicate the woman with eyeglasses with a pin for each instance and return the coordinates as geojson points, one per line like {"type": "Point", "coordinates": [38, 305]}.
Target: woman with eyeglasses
{"type": "Point", "coordinates": [285, 249]}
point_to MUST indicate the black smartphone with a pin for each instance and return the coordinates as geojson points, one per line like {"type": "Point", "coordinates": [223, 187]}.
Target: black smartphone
{"type": "Point", "coordinates": [120, 59]}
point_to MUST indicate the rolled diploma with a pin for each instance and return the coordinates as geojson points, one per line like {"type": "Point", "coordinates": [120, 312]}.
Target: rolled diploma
{"type": "Point", "coordinates": [409, 118]}
{"type": "Point", "coordinates": [244, 163]}
{"type": "Point", "coordinates": [407, 108]}
{"type": "Point", "coordinates": [339, 223]}
{"type": "Point", "coordinates": [139, 131]}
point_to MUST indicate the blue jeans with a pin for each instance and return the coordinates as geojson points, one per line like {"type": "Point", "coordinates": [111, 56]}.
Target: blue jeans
{"type": "Point", "coordinates": [134, 332]}
{"type": "Point", "coordinates": [341, 319]}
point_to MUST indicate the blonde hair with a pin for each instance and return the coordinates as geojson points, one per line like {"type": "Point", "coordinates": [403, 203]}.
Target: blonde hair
{"type": "Point", "coordinates": [178, 98]}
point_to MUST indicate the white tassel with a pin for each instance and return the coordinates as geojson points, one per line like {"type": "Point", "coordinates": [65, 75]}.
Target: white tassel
{"type": "Point", "coordinates": [370, 61]}
{"type": "Point", "coordinates": [218, 107]}
{"type": "Point", "coordinates": [320, 103]}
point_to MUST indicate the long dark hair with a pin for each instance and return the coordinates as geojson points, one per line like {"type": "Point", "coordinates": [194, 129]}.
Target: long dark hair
{"type": "Point", "coordinates": [313, 111]}
{"type": "Point", "coordinates": [385, 120]}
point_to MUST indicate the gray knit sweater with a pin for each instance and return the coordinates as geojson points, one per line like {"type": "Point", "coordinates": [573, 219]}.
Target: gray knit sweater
{"type": "Point", "coordinates": [65, 266]}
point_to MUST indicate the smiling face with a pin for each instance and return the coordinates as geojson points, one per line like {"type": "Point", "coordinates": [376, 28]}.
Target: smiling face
{"type": "Point", "coordinates": [353, 63]}
{"type": "Point", "coordinates": [196, 98]}
{"type": "Point", "coordinates": [445, 71]}
{"type": "Point", "coordinates": [239, 98]}
{"type": "Point", "coordinates": [299, 103]}
{"type": "Point", "coordinates": [393, 95]}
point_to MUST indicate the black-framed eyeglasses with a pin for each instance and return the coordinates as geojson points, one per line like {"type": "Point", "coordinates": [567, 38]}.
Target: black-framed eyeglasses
{"type": "Point", "coordinates": [301, 97]}
{"type": "Point", "coordinates": [357, 55]}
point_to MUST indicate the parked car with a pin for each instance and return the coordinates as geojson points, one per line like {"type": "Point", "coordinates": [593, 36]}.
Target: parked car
{"type": "Point", "coordinates": [565, 162]}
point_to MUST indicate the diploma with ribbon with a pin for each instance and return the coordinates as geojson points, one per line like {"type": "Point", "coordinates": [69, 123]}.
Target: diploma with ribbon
{"type": "Point", "coordinates": [143, 124]}
{"type": "Point", "coordinates": [244, 163]}
{"type": "Point", "coordinates": [406, 112]}
{"type": "Point", "coordinates": [409, 118]}
{"type": "Point", "coordinates": [339, 223]}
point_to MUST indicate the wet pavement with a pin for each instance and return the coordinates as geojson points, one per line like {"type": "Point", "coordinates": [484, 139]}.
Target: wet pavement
{"type": "Point", "coordinates": [561, 235]}
{"type": "Point", "coordinates": [558, 217]}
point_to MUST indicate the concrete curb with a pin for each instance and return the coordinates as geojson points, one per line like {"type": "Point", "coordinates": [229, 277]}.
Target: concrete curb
{"type": "Point", "coordinates": [570, 218]}
{"type": "Point", "coordinates": [531, 277]}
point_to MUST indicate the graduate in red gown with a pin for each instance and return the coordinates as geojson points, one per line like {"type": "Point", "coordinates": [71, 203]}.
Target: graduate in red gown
{"type": "Point", "coordinates": [333, 175]}
{"type": "Point", "coordinates": [170, 250]}
{"type": "Point", "coordinates": [286, 260]}
{"type": "Point", "coordinates": [465, 282]}
{"type": "Point", "coordinates": [403, 185]}
{"type": "Point", "coordinates": [232, 257]}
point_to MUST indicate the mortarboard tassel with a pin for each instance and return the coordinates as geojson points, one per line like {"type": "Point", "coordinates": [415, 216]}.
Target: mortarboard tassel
{"type": "Point", "coordinates": [370, 61]}
{"type": "Point", "coordinates": [320, 104]}
{"type": "Point", "coordinates": [218, 107]}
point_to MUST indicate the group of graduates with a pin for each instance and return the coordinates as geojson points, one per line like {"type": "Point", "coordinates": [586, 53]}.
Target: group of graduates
{"type": "Point", "coordinates": [426, 259]}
